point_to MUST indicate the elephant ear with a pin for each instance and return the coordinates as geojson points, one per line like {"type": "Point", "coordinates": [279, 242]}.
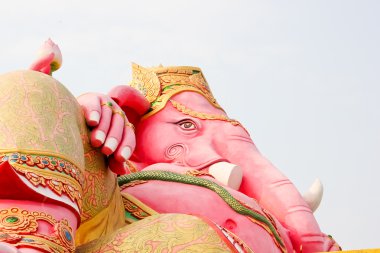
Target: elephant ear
{"type": "Point", "coordinates": [131, 101]}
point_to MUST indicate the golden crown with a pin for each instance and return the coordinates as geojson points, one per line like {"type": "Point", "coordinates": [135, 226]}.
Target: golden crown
{"type": "Point", "coordinates": [159, 84]}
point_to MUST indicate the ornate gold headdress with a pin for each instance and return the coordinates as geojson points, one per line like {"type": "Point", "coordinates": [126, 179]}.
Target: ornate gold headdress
{"type": "Point", "coordinates": [159, 84]}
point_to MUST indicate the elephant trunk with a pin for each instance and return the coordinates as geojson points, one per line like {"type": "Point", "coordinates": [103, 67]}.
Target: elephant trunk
{"type": "Point", "coordinates": [274, 192]}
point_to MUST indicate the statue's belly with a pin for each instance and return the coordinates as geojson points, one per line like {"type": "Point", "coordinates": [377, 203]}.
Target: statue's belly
{"type": "Point", "coordinates": [171, 197]}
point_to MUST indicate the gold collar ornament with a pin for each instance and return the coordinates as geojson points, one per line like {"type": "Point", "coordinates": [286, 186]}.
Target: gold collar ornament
{"type": "Point", "coordinates": [159, 84]}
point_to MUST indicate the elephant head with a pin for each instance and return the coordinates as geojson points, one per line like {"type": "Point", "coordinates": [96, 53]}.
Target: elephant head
{"type": "Point", "coordinates": [185, 126]}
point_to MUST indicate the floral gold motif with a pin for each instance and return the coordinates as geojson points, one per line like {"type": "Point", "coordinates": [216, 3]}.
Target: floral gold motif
{"type": "Point", "coordinates": [59, 175]}
{"type": "Point", "coordinates": [14, 219]}
{"type": "Point", "coordinates": [58, 183]}
{"type": "Point", "coordinates": [42, 243]}
{"type": "Point", "coordinates": [44, 162]}
{"type": "Point", "coordinates": [100, 184]}
{"type": "Point", "coordinates": [39, 114]}
{"type": "Point", "coordinates": [159, 84]}
{"type": "Point", "coordinates": [19, 227]}
{"type": "Point", "coordinates": [166, 233]}
{"type": "Point", "coordinates": [134, 210]}
{"type": "Point", "coordinates": [146, 82]}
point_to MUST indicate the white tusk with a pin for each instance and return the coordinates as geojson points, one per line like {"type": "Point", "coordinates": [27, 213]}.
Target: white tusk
{"type": "Point", "coordinates": [228, 174]}
{"type": "Point", "coordinates": [314, 195]}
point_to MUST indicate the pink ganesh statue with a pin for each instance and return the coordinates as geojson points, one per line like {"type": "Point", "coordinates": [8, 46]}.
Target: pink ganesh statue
{"type": "Point", "coordinates": [156, 166]}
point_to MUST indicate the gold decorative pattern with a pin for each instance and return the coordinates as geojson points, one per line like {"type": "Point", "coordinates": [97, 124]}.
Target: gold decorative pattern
{"type": "Point", "coordinates": [99, 185]}
{"type": "Point", "coordinates": [41, 243]}
{"type": "Point", "coordinates": [59, 175]}
{"type": "Point", "coordinates": [135, 210]}
{"type": "Point", "coordinates": [108, 220]}
{"type": "Point", "coordinates": [132, 183]}
{"type": "Point", "coordinates": [146, 81]}
{"type": "Point", "coordinates": [130, 198]}
{"type": "Point", "coordinates": [41, 118]}
{"type": "Point", "coordinates": [39, 113]}
{"type": "Point", "coordinates": [57, 182]}
{"type": "Point", "coordinates": [44, 161]}
{"type": "Point", "coordinates": [131, 167]}
{"type": "Point", "coordinates": [198, 173]}
{"type": "Point", "coordinates": [19, 227]}
{"type": "Point", "coordinates": [201, 115]}
{"type": "Point", "coordinates": [162, 233]}
{"type": "Point", "coordinates": [159, 84]}
{"type": "Point", "coordinates": [14, 219]}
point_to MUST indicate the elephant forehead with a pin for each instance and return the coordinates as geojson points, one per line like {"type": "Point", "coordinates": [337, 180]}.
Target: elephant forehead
{"type": "Point", "coordinates": [190, 104]}
{"type": "Point", "coordinates": [197, 102]}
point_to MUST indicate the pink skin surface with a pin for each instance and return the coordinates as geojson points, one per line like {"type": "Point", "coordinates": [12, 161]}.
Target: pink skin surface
{"type": "Point", "coordinates": [7, 248]}
{"type": "Point", "coordinates": [164, 138]}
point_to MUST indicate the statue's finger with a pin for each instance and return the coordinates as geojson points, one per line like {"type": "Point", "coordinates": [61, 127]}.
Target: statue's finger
{"type": "Point", "coordinates": [115, 132]}
{"type": "Point", "coordinates": [91, 107]}
{"type": "Point", "coordinates": [98, 135]}
{"type": "Point", "coordinates": [127, 144]}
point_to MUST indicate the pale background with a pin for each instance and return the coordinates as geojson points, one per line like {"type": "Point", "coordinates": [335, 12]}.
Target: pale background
{"type": "Point", "coordinates": [303, 76]}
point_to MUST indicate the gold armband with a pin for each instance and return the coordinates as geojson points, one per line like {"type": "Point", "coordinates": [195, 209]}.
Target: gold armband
{"type": "Point", "coordinates": [19, 228]}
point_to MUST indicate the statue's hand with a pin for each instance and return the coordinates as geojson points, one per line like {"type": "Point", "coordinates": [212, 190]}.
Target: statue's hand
{"type": "Point", "coordinates": [111, 128]}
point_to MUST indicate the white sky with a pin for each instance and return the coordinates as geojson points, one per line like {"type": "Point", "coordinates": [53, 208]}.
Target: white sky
{"type": "Point", "coordinates": [303, 76]}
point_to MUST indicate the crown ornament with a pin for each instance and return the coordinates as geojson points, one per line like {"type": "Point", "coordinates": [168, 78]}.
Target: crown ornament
{"type": "Point", "coordinates": [159, 84]}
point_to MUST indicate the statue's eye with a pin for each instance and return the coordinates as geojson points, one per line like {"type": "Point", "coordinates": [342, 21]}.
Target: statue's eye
{"type": "Point", "coordinates": [187, 125]}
